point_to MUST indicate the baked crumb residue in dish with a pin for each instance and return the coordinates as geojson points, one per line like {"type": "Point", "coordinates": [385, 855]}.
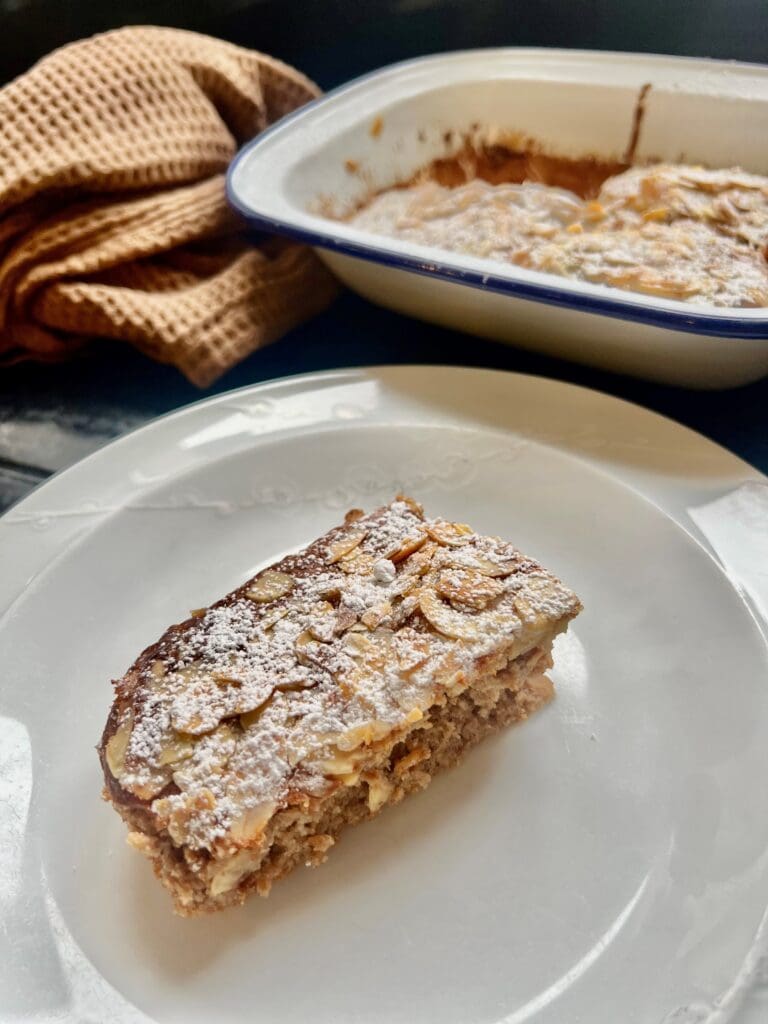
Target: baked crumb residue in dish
{"type": "Point", "coordinates": [325, 688]}
{"type": "Point", "coordinates": [669, 230]}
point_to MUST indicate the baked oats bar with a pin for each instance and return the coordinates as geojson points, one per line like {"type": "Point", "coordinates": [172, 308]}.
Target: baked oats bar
{"type": "Point", "coordinates": [328, 686]}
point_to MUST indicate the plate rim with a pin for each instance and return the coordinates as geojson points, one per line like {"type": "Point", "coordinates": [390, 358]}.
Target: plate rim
{"type": "Point", "coordinates": [308, 377]}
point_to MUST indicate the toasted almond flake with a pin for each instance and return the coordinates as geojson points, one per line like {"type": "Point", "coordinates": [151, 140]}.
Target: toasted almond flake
{"type": "Point", "coordinates": [450, 534]}
{"type": "Point", "coordinates": [231, 873]}
{"type": "Point", "coordinates": [176, 750]}
{"type": "Point", "coordinates": [340, 765]}
{"type": "Point", "coordinates": [251, 824]}
{"type": "Point", "coordinates": [357, 645]}
{"type": "Point", "coordinates": [250, 718]}
{"type": "Point", "coordinates": [362, 735]}
{"type": "Point", "coordinates": [467, 588]}
{"type": "Point", "coordinates": [117, 746]}
{"type": "Point", "coordinates": [657, 213]}
{"type": "Point", "coordinates": [379, 790]}
{"type": "Point", "coordinates": [461, 626]}
{"type": "Point", "coordinates": [270, 586]}
{"type": "Point", "coordinates": [468, 559]}
{"type": "Point", "coordinates": [413, 757]}
{"type": "Point", "coordinates": [405, 548]}
{"type": "Point", "coordinates": [346, 543]}
{"type": "Point", "coordinates": [375, 616]}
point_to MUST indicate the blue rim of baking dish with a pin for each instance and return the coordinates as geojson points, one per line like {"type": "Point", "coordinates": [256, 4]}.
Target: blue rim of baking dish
{"type": "Point", "coordinates": [712, 325]}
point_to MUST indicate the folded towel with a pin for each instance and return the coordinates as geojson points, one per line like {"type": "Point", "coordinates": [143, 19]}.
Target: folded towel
{"type": "Point", "coordinates": [113, 218]}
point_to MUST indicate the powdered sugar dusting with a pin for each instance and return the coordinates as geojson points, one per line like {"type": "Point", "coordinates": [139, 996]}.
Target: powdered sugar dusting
{"type": "Point", "coordinates": [247, 703]}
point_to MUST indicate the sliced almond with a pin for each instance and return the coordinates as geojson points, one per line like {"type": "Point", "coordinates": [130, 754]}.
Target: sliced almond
{"type": "Point", "coordinates": [340, 765]}
{"type": "Point", "coordinates": [413, 757]}
{"type": "Point", "coordinates": [379, 790]}
{"type": "Point", "coordinates": [461, 626]}
{"type": "Point", "coordinates": [303, 639]}
{"type": "Point", "coordinates": [249, 718]}
{"type": "Point", "coordinates": [373, 617]}
{"type": "Point", "coordinates": [413, 650]}
{"type": "Point", "coordinates": [405, 547]}
{"type": "Point", "coordinates": [418, 562]}
{"type": "Point", "coordinates": [117, 746]}
{"type": "Point", "coordinates": [468, 588]}
{"type": "Point", "coordinates": [176, 750]}
{"type": "Point", "coordinates": [154, 784]}
{"type": "Point", "coordinates": [357, 563]}
{"type": "Point", "coordinates": [524, 609]}
{"type": "Point", "coordinates": [228, 678]}
{"type": "Point", "coordinates": [251, 824]}
{"type": "Point", "coordinates": [346, 543]}
{"type": "Point", "coordinates": [449, 534]}
{"type": "Point", "coordinates": [363, 735]}
{"type": "Point", "coordinates": [357, 645]}
{"type": "Point", "coordinates": [535, 592]}
{"type": "Point", "coordinates": [346, 618]}
{"type": "Point", "coordinates": [414, 506]}
{"type": "Point", "coordinates": [156, 672]}
{"type": "Point", "coordinates": [232, 871]}
{"type": "Point", "coordinates": [468, 559]}
{"type": "Point", "coordinates": [270, 586]}
{"type": "Point", "coordinates": [273, 616]}
{"type": "Point", "coordinates": [296, 685]}
{"type": "Point", "coordinates": [323, 628]}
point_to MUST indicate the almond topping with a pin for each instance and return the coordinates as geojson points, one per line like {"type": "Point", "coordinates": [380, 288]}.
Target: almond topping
{"type": "Point", "coordinates": [228, 876]}
{"type": "Point", "coordinates": [251, 824]}
{"type": "Point", "coordinates": [472, 560]}
{"type": "Point", "coordinates": [379, 790]}
{"type": "Point", "coordinates": [460, 626]}
{"type": "Point", "coordinates": [374, 616]}
{"type": "Point", "coordinates": [406, 548]}
{"type": "Point", "coordinates": [415, 756]}
{"type": "Point", "coordinates": [449, 534]}
{"type": "Point", "coordinates": [467, 588]}
{"type": "Point", "coordinates": [117, 745]}
{"type": "Point", "coordinates": [270, 586]}
{"type": "Point", "coordinates": [346, 543]}
{"type": "Point", "coordinates": [176, 750]}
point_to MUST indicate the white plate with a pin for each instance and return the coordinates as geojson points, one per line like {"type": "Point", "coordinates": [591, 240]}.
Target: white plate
{"type": "Point", "coordinates": [573, 103]}
{"type": "Point", "coordinates": [607, 861]}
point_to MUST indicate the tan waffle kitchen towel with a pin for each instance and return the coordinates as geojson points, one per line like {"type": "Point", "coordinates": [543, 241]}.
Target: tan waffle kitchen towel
{"type": "Point", "coordinates": [113, 218]}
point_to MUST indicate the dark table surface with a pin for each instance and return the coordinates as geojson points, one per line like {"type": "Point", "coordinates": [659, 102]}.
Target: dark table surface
{"type": "Point", "coordinates": [52, 415]}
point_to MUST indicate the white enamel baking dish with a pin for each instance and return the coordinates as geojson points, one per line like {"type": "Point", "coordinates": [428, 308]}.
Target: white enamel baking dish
{"type": "Point", "coordinates": [381, 128]}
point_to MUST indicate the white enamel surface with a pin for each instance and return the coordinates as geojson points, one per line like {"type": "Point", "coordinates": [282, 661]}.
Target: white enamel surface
{"type": "Point", "coordinates": [575, 103]}
{"type": "Point", "coordinates": [672, 357]}
{"type": "Point", "coordinates": [606, 861]}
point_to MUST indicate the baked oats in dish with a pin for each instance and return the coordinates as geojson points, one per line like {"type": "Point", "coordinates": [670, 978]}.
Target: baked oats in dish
{"type": "Point", "coordinates": [668, 230]}
{"type": "Point", "coordinates": [328, 686]}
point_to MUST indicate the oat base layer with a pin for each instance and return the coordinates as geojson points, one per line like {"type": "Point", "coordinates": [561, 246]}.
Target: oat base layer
{"type": "Point", "coordinates": [304, 836]}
